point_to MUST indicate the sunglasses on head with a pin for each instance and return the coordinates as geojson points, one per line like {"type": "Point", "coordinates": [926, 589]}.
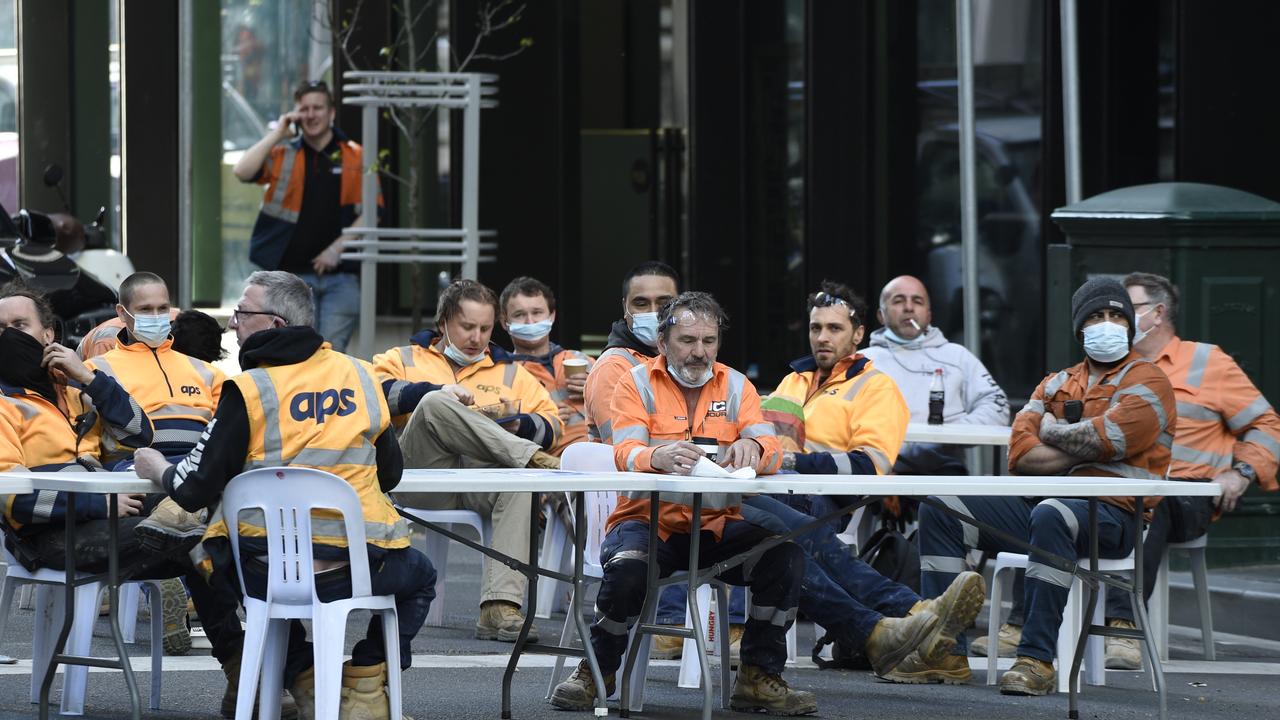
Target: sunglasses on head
{"type": "Point", "coordinates": [822, 299]}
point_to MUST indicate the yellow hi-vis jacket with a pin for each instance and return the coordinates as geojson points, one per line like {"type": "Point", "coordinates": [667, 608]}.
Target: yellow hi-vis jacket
{"type": "Point", "coordinates": [854, 422]}
{"type": "Point", "coordinates": [326, 413]}
{"type": "Point", "coordinates": [175, 393]}
{"type": "Point", "coordinates": [493, 379]}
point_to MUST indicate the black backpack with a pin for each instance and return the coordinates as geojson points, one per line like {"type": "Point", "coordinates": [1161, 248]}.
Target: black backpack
{"type": "Point", "coordinates": [893, 555]}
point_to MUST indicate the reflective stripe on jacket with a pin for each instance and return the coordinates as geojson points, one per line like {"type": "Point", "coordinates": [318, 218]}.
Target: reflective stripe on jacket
{"type": "Point", "coordinates": [601, 384]}
{"type": "Point", "coordinates": [649, 410]}
{"type": "Point", "coordinates": [553, 380]}
{"type": "Point", "coordinates": [495, 378]}
{"type": "Point", "coordinates": [284, 175]}
{"type": "Point", "coordinates": [857, 409]}
{"type": "Point", "coordinates": [176, 392]}
{"type": "Point", "coordinates": [1222, 416]}
{"type": "Point", "coordinates": [326, 413]}
{"type": "Point", "coordinates": [36, 435]}
{"type": "Point", "coordinates": [1131, 408]}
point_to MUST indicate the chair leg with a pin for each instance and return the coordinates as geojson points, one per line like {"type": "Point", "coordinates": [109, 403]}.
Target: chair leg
{"type": "Point", "coordinates": [993, 622]}
{"type": "Point", "coordinates": [566, 636]}
{"type": "Point", "coordinates": [1068, 633]}
{"type": "Point", "coordinates": [76, 677]}
{"type": "Point", "coordinates": [48, 606]}
{"type": "Point", "coordinates": [128, 613]}
{"type": "Point", "coordinates": [1200, 574]}
{"type": "Point", "coordinates": [1158, 609]}
{"type": "Point", "coordinates": [690, 664]}
{"type": "Point", "coordinates": [7, 589]}
{"type": "Point", "coordinates": [436, 547]}
{"type": "Point", "coordinates": [328, 625]}
{"type": "Point", "coordinates": [251, 657]}
{"type": "Point", "coordinates": [391, 636]}
{"type": "Point", "coordinates": [554, 551]}
{"type": "Point", "coordinates": [1095, 658]}
{"type": "Point", "coordinates": [271, 679]}
{"type": "Point", "coordinates": [642, 646]}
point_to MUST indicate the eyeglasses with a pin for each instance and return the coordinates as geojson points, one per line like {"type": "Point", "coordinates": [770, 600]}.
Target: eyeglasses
{"type": "Point", "coordinates": [238, 314]}
{"type": "Point", "coordinates": [822, 299]}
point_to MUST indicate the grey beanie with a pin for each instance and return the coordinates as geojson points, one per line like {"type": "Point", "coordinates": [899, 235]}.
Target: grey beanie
{"type": "Point", "coordinates": [1096, 294]}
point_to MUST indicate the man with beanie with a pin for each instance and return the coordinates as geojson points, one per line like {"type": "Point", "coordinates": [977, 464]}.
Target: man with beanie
{"type": "Point", "coordinates": [1112, 415]}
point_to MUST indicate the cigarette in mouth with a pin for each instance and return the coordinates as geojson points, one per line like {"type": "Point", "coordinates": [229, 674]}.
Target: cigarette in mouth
{"type": "Point", "coordinates": [914, 324]}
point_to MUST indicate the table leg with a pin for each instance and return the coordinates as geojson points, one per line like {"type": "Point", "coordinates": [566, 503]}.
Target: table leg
{"type": "Point", "coordinates": [650, 600]}
{"type": "Point", "coordinates": [530, 572]}
{"type": "Point", "coordinates": [579, 586]}
{"type": "Point", "coordinates": [1073, 681]}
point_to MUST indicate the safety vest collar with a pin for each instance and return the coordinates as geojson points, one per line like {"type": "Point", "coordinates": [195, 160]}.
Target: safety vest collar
{"type": "Point", "coordinates": [128, 344]}
{"type": "Point", "coordinates": [428, 340]}
{"type": "Point", "coordinates": [851, 365]}
{"type": "Point", "coordinates": [548, 361]}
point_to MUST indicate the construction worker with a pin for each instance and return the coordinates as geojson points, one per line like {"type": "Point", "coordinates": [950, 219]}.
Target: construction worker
{"type": "Point", "coordinates": [36, 433]}
{"type": "Point", "coordinates": [528, 314]}
{"type": "Point", "coordinates": [659, 409]}
{"type": "Point", "coordinates": [1113, 415]}
{"type": "Point", "coordinates": [439, 431]}
{"type": "Point", "coordinates": [299, 403]}
{"type": "Point", "coordinates": [1227, 434]}
{"type": "Point", "coordinates": [842, 416]}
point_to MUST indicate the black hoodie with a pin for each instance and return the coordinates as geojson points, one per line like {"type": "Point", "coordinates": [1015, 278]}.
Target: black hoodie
{"type": "Point", "coordinates": [197, 481]}
{"type": "Point", "coordinates": [620, 336]}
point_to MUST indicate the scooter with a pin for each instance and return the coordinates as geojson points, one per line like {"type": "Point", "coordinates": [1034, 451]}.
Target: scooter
{"type": "Point", "coordinates": [29, 252]}
{"type": "Point", "coordinates": [87, 245]}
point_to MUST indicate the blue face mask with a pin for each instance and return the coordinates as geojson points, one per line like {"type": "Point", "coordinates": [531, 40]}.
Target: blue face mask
{"type": "Point", "coordinates": [530, 332]}
{"type": "Point", "coordinates": [152, 330]}
{"type": "Point", "coordinates": [894, 337]}
{"type": "Point", "coordinates": [1106, 342]}
{"type": "Point", "coordinates": [645, 327]}
{"type": "Point", "coordinates": [706, 375]}
{"type": "Point", "coordinates": [458, 356]}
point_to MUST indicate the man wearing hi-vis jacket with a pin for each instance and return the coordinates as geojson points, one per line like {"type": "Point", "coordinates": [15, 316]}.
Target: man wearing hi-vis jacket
{"type": "Point", "coordinates": [658, 409]}
{"type": "Point", "coordinates": [299, 403]}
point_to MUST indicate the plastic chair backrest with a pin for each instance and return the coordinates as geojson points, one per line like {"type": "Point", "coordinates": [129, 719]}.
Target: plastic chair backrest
{"type": "Point", "coordinates": [593, 457]}
{"type": "Point", "coordinates": [286, 496]}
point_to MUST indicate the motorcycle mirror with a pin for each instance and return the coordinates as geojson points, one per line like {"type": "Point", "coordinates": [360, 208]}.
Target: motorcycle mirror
{"type": "Point", "coordinates": [52, 174]}
{"type": "Point", "coordinates": [102, 215]}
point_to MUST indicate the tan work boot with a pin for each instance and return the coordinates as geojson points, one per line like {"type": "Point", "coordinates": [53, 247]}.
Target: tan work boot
{"type": "Point", "coordinates": [578, 691]}
{"type": "Point", "coordinates": [956, 608]}
{"type": "Point", "coordinates": [1123, 653]}
{"type": "Point", "coordinates": [543, 461]}
{"type": "Point", "coordinates": [893, 639]}
{"type": "Point", "coordinates": [951, 670]}
{"type": "Point", "coordinates": [1008, 638]}
{"type": "Point", "coordinates": [303, 692]}
{"type": "Point", "coordinates": [364, 693]}
{"type": "Point", "coordinates": [1029, 676]}
{"type": "Point", "coordinates": [757, 690]}
{"type": "Point", "coordinates": [668, 647]}
{"type": "Point", "coordinates": [501, 620]}
{"type": "Point", "coordinates": [173, 605]}
{"type": "Point", "coordinates": [736, 631]}
{"type": "Point", "coordinates": [288, 708]}
{"type": "Point", "coordinates": [169, 526]}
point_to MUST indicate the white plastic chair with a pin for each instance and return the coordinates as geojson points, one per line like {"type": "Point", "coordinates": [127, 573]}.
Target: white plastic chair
{"type": "Point", "coordinates": [436, 546]}
{"type": "Point", "coordinates": [1094, 666]}
{"type": "Point", "coordinates": [556, 548]}
{"type": "Point", "coordinates": [49, 606]}
{"type": "Point", "coordinates": [1159, 604]}
{"type": "Point", "coordinates": [286, 497]}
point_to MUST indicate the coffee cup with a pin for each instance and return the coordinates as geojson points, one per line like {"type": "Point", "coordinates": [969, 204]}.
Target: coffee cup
{"type": "Point", "coordinates": [575, 366]}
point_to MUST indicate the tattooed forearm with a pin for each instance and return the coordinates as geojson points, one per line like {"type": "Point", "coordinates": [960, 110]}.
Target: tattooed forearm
{"type": "Point", "coordinates": [1078, 439]}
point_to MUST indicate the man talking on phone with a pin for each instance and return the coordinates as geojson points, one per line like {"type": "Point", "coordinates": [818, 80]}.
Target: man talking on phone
{"type": "Point", "coordinates": [312, 173]}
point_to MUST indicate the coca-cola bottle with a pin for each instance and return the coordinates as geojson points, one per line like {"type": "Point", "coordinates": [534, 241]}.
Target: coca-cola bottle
{"type": "Point", "coordinates": [937, 398]}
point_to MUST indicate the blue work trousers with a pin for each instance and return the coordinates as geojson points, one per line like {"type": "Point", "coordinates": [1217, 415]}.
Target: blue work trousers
{"type": "Point", "coordinates": [773, 576]}
{"type": "Point", "coordinates": [1055, 525]}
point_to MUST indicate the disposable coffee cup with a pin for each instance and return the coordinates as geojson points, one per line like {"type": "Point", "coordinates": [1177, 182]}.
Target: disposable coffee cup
{"type": "Point", "coordinates": [709, 446]}
{"type": "Point", "coordinates": [575, 366]}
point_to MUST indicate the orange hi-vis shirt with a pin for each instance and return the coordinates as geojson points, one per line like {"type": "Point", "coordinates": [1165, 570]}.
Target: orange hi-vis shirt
{"type": "Point", "coordinates": [1222, 417]}
{"type": "Point", "coordinates": [610, 368]}
{"type": "Point", "coordinates": [552, 378]}
{"type": "Point", "coordinates": [649, 410]}
{"type": "Point", "coordinates": [1131, 407]}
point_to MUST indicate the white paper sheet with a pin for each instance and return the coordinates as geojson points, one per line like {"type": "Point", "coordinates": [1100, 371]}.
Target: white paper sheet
{"type": "Point", "coordinates": [706, 468]}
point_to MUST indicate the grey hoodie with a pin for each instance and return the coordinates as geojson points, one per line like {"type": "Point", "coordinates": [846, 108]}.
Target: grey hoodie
{"type": "Point", "coordinates": [972, 396]}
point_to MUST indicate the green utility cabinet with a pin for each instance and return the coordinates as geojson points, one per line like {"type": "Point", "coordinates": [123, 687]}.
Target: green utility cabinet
{"type": "Point", "coordinates": [1221, 247]}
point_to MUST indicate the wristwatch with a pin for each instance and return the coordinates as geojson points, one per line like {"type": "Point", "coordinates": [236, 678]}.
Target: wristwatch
{"type": "Point", "coordinates": [1246, 471]}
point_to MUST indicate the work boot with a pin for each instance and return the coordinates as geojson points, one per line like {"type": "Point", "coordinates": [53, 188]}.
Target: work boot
{"type": "Point", "coordinates": [956, 608]}
{"type": "Point", "coordinates": [951, 670]}
{"type": "Point", "coordinates": [1008, 638]}
{"type": "Point", "coordinates": [364, 693]}
{"type": "Point", "coordinates": [303, 692]}
{"type": "Point", "coordinates": [758, 690]}
{"type": "Point", "coordinates": [501, 620]}
{"type": "Point", "coordinates": [893, 639]}
{"type": "Point", "coordinates": [1028, 676]}
{"type": "Point", "coordinates": [543, 461]}
{"type": "Point", "coordinates": [578, 691]}
{"type": "Point", "coordinates": [669, 647]}
{"type": "Point", "coordinates": [1123, 652]}
{"type": "Point", "coordinates": [736, 631]}
{"type": "Point", "coordinates": [173, 605]}
{"type": "Point", "coordinates": [231, 668]}
{"type": "Point", "coordinates": [169, 527]}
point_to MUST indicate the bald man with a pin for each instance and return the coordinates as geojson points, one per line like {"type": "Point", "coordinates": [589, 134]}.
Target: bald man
{"type": "Point", "coordinates": [909, 349]}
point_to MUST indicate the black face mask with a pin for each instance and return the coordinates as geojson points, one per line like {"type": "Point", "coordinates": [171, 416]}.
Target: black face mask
{"type": "Point", "coordinates": [21, 365]}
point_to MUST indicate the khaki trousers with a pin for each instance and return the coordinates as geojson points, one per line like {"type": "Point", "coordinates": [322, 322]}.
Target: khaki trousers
{"type": "Point", "coordinates": [443, 433]}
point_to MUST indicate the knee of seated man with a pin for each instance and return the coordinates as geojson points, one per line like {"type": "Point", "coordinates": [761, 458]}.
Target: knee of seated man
{"type": "Point", "coordinates": [785, 562]}
{"type": "Point", "coordinates": [626, 576]}
{"type": "Point", "coordinates": [1047, 516]}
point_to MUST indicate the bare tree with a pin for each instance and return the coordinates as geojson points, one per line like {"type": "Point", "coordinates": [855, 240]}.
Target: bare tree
{"type": "Point", "coordinates": [494, 22]}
